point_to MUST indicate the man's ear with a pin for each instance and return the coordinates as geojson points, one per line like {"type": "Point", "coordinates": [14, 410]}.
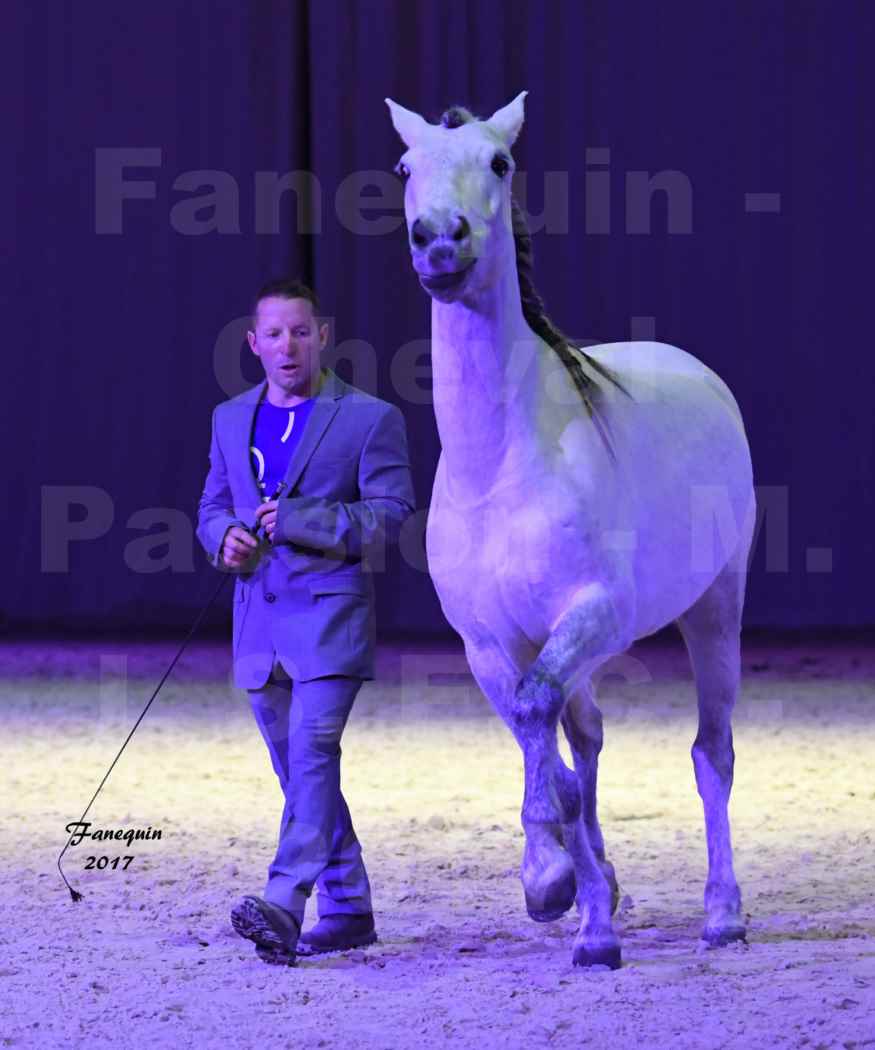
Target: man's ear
{"type": "Point", "coordinates": [250, 338]}
{"type": "Point", "coordinates": [323, 335]}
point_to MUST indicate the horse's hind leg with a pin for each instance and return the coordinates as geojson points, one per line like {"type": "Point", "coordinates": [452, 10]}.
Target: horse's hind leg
{"type": "Point", "coordinates": [582, 723]}
{"type": "Point", "coordinates": [711, 629]}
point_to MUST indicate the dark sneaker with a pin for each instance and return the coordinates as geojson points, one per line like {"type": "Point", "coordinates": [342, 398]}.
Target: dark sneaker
{"type": "Point", "coordinates": [273, 929]}
{"type": "Point", "coordinates": [338, 933]}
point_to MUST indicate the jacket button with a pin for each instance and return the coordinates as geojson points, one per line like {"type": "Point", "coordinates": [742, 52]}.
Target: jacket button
{"type": "Point", "coordinates": [270, 597]}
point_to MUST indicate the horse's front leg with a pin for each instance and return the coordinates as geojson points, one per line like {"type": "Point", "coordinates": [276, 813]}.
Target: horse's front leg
{"type": "Point", "coordinates": [551, 798]}
{"type": "Point", "coordinates": [551, 805]}
{"type": "Point", "coordinates": [593, 625]}
{"type": "Point", "coordinates": [582, 723]}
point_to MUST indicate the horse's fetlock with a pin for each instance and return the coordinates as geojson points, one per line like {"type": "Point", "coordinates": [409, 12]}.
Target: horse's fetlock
{"type": "Point", "coordinates": [722, 897]}
{"type": "Point", "coordinates": [567, 788]}
{"type": "Point", "coordinates": [540, 810]}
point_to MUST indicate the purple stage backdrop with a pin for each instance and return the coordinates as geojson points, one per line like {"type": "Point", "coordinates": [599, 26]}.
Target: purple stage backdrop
{"type": "Point", "coordinates": [698, 173]}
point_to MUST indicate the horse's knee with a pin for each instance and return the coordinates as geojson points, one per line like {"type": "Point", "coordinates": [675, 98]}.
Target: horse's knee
{"type": "Point", "coordinates": [537, 701]}
{"type": "Point", "coordinates": [713, 754]}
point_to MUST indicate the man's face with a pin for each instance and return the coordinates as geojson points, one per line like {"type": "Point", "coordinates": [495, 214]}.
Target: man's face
{"type": "Point", "coordinates": [288, 339]}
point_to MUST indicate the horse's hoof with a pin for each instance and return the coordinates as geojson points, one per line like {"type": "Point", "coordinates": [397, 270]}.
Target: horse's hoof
{"type": "Point", "coordinates": [720, 936]}
{"type": "Point", "coordinates": [606, 955]}
{"type": "Point", "coordinates": [551, 901]}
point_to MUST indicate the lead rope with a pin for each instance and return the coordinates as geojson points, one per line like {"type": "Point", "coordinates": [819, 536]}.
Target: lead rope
{"type": "Point", "coordinates": [76, 894]}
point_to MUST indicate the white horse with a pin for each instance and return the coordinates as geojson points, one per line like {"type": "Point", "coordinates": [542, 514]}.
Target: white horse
{"type": "Point", "coordinates": [573, 511]}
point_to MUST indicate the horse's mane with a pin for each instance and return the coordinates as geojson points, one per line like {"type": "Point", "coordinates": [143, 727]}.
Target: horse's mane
{"type": "Point", "coordinates": [537, 319]}
{"type": "Point", "coordinates": [532, 303]}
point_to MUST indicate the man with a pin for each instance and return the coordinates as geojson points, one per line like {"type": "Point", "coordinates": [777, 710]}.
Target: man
{"type": "Point", "coordinates": [303, 633]}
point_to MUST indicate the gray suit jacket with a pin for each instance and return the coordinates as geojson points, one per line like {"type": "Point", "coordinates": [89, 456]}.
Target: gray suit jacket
{"type": "Point", "coordinates": [308, 599]}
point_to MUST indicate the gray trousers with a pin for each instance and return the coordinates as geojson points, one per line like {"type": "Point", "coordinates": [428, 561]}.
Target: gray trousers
{"type": "Point", "coordinates": [302, 723]}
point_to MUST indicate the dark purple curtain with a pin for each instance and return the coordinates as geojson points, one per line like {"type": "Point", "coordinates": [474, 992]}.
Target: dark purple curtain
{"type": "Point", "coordinates": [752, 119]}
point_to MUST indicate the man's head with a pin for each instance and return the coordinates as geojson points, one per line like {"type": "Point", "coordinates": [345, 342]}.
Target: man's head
{"type": "Point", "coordinates": [287, 336]}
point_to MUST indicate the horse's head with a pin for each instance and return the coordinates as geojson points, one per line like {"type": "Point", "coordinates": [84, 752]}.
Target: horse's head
{"type": "Point", "coordinates": [457, 196]}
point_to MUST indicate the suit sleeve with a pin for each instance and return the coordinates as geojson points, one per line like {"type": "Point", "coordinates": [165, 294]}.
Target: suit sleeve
{"type": "Point", "coordinates": [373, 520]}
{"type": "Point", "coordinates": [215, 510]}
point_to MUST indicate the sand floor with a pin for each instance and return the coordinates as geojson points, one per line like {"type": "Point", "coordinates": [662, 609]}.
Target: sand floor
{"type": "Point", "coordinates": [434, 781]}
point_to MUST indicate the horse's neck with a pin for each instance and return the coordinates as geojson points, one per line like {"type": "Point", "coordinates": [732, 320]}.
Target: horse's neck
{"type": "Point", "coordinates": [487, 372]}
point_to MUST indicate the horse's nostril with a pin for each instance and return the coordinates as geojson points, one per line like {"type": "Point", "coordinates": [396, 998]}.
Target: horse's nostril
{"type": "Point", "coordinates": [420, 234]}
{"type": "Point", "coordinates": [461, 230]}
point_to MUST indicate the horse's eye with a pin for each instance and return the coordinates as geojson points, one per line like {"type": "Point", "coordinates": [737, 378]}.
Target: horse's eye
{"type": "Point", "coordinates": [402, 171]}
{"type": "Point", "coordinates": [500, 165]}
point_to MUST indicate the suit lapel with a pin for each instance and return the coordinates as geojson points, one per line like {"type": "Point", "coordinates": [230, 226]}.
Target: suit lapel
{"type": "Point", "coordinates": [323, 411]}
{"type": "Point", "coordinates": [244, 422]}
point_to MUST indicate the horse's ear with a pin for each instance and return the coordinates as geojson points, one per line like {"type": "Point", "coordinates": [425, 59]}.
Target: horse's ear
{"type": "Point", "coordinates": [506, 122]}
{"type": "Point", "coordinates": [409, 125]}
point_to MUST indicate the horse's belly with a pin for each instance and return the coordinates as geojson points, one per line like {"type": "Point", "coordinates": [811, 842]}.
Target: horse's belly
{"type": "Point", "coordinates": [685, 455]}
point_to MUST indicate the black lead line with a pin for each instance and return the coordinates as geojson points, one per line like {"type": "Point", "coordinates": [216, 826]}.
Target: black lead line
{"type": "Point", "coordinates": [76, 895]}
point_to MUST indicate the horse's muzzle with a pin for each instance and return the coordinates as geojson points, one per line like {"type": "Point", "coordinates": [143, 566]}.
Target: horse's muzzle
{"type": "Point", "coordinates": [446, 282]}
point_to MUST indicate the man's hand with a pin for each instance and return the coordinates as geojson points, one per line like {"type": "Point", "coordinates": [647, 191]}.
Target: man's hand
{"type": "Point", "coordinates": [237, 547]}
{"type": "Point", "coordinates": [265, 516]}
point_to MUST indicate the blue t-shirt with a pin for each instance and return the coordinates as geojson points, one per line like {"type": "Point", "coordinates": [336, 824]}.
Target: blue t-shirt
{"type": "Point", "coordinates": [277, 432]}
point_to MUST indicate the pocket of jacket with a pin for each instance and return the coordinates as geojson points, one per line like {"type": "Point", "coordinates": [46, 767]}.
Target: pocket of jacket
{"type": "Point", "coordinates": [353, 586]}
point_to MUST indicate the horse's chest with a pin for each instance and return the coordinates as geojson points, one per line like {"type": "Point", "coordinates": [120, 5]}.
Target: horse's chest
{"type": "Point", "coordinates": [502, 570]}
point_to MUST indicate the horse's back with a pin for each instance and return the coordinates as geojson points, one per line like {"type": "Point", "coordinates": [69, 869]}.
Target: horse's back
{"type": "Point", "coordinates": [654, 365]}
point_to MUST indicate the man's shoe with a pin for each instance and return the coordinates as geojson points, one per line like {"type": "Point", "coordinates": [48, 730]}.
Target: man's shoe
{"type": "Point", "coordinates": [273, 929]}
{"type": "Point", "coordinates": [338, 933]}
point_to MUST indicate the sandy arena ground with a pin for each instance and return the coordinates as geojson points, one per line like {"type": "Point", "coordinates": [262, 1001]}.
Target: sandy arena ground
{"type": "Point", "coordinates": [434, 781]}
